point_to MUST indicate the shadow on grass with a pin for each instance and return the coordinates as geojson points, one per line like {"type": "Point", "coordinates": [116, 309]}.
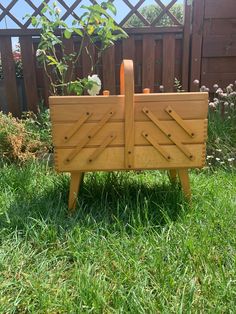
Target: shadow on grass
{"type": "Point", "coordinates": [113, 201]}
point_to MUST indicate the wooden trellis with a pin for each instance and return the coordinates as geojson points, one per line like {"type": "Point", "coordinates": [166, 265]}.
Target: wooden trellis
{"type": "Point", "coordinates": [70, 10]}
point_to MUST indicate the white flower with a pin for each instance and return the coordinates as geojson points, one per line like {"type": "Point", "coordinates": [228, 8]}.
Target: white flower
{"type": "Point", "coordinates": [219, 91]}
{"type": "Point", "coordinates": [39, 52]}
{"type": "Point", "coordinates": [212, 105]}
{"type": "Point", "coordinates": [57, 10]}
{"type": "Point", "coordinates": [196, 82]}
{"type": "Point", "coordinates": [95, 89]}
{"type": "Point", "coordinates": [203, 88]}
{"type": "Point", "coordinates": [231, 159]}
{"type": "Point", "coordinates": [229, 89]}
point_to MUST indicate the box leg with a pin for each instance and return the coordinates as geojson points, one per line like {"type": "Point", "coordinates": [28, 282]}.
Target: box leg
{"type": "Point", "coordinates": [172, 173]}
{"type": "Point", "coordinates": [184, 180]}
{"type": "Point", "coordinates": [75, 182]}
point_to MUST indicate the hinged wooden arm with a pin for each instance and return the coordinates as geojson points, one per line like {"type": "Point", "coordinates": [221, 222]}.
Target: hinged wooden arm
{"type": "Point", "coordinates": [174, 140]}
{"type": "Point", "coordinates": [90, 135]}
{"type": "Point", "coordinates": [157, 146]}
{"type": "Point", "coordinates": [180, 121]}
{"type": "Point", "coordinates": [76, 126]}
{"type": "Point", "coordinates": [101, 148]}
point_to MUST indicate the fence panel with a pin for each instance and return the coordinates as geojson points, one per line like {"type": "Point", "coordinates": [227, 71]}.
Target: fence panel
{"type": "Point", "coordinates": [219, 43]}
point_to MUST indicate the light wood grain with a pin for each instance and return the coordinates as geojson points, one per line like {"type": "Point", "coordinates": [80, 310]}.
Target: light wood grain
{"type": "Point", "coordinates": [92, 132]}
{"type": "Point", "coordinates": [76, 179]}
{"type": "Point", "coordinates": [197, 126]}
{"type": "Point", "coordinates": [146, 157]}
{"type": "Point", "coordinates": [184, 180]}
{"type": "Point", "coordinates": [127, 88]}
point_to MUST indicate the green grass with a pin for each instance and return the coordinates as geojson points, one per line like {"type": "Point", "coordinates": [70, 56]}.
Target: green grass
{"type": "Point", "coordinates": [133, 246]}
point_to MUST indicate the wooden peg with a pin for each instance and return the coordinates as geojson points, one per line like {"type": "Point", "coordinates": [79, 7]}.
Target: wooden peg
{"type": "Point", "coordinates": [106, 92]}
{"type": "Point", "coordinates": [146, 90]}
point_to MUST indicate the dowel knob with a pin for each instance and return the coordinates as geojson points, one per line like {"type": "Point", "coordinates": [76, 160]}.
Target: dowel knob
{"type": "Point", "coordinates": [106, 92]}
{"type": "Point", "coordinates": [146, 90]}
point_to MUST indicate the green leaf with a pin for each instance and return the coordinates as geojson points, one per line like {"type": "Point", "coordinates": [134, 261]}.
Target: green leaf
{"type": "Point", "coordinates": [44, 10]}
{"type": "Point", "coordinates": [111, 7]}
{"type": "Point", "coordinates": [53, 61]}
{"type": "Point", "coordinates": [78, 31]}
{"type": "Point", "coordinates": [34, 21]}
{"type": "Point", "coordinates": [67, 34]}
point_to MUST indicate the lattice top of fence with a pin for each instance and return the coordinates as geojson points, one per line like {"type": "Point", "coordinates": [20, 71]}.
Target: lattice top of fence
{"type": "Point", "coordinates": [130, 12]}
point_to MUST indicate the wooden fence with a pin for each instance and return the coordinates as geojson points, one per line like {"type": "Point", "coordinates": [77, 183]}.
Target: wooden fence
{"type": "Point", "coordinates": [160, 54]}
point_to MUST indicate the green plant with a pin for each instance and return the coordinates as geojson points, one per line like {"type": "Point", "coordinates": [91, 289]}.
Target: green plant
{"type": "Point", "coordinates": [94, 28]}
{"type": "Point", "coordinates": [178, 86]}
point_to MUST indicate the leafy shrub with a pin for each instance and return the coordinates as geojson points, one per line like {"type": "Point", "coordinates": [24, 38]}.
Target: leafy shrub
{"type": "Point", "coordinates": [26, 138]}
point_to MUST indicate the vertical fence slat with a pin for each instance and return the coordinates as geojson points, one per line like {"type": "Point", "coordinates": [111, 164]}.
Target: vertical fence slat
{"type": "Point", "coordinates": [197, 34]}
{"type": "Point", "coordinates": [46, 88]}
{"type": "Point", "coordinates": [158, 63]}
{"type": "Point", "coordinates": [148, 62]}
{"type": "Point", "coordinates": [87, 59]}
{"type": "Point", "coordinates": [168, 69]}
{"type": "Point", "coordinates": [128, 48]}
{"type": "Point", "coordinates": [68, 49]}
{"type": "Point", "coordinates": [29, 72]}
{"type": "Point", "coordinates": [10, 85]}
{"type": "Point", "coordinates": [186, 44]}
{"type": "Point", "coordinates": [108, 68]}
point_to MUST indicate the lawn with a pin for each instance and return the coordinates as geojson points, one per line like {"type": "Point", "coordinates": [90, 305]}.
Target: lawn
{"type": "Point", "coordinates": [133, 246]}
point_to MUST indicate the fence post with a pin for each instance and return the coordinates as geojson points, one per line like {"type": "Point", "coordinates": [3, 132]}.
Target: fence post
{"type": "Point", "coordinates": [196, 44]}
{"type": "Point", "coordinates": [29, 73]}
{"type": "Point", "coordinates": [186, 44]}
{"type": "Point", "coordinates": [9, 73]}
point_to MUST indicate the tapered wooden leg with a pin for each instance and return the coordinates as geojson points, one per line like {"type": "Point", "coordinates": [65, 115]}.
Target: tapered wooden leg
{"type": "Point", "coordinates": [184, 180]}
{"type": "Point", "coordinates": [75, 182]}
{"type": "Point", "coordinates": [172, 175]}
